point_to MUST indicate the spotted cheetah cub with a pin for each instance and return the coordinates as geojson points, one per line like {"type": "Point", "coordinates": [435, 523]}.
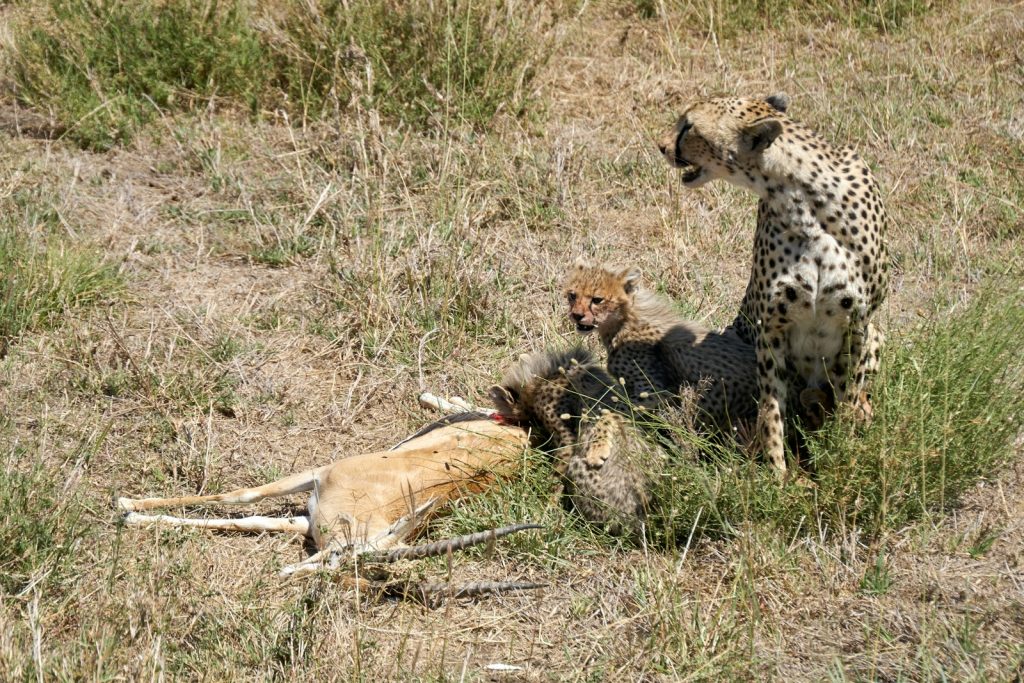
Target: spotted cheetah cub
{"type": "Point", "coordinates": [820, 268]}
{"type": "Point", "coordinates": [568, 400]}
{"type": "Point", "coordinates": [656, 353]}
{"type": "Point", "coordinates": [611, 472]}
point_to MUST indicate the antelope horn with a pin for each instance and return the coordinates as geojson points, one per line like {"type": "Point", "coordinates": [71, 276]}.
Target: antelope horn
{"type": "Point", "coordinates": [430, 592]}
{"type": "Point", "coordinates": [469, 590]}
{"type": "Point", "coordinates": [449, 545]}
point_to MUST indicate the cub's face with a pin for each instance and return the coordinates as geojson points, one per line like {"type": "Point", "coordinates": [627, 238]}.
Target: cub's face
{"type": "Point", "coordinates": [597, 296]}
{"type": "Point", "coordinates": [720, 138]}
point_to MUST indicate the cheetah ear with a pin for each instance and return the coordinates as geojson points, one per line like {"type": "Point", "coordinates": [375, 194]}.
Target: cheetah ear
{"type": "Point", "coordinates": [504, 399]}
{"type": "Point", "coordinates": [630, 279]}
{"type": "Point", "coordinates": [779, 100]}
{"type": "Point", "coordinates": [581, 262]}
{"type": "Point", "coordinates": [757, 137]}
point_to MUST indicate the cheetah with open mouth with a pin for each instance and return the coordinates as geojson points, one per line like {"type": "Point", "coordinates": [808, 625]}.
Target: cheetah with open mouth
{"type": "Point", "coordinates": [820, 266]}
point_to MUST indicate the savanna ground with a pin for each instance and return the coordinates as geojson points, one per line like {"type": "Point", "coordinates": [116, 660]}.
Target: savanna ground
{"type": "Point", "coordinates": [237, 239]}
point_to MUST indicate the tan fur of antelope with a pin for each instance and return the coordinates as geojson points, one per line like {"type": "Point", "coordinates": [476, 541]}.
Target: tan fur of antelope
{"type": "Point", "coordinates": [374, 501]}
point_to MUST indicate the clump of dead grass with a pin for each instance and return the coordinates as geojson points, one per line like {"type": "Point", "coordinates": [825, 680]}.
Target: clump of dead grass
{"type": "Point", "coordinates": [42, 280]}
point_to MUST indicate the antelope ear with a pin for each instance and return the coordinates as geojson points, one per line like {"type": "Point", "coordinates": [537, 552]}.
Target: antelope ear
{"type": "Point", "coordinates": [630, 279]}
{"type": "Point", "coordinates": [757, 137]}
{"type": "Point", "coordinates": [779, 100]}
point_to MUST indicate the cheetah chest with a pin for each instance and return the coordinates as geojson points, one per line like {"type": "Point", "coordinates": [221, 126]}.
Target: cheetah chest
{"type": "Point", "coordinates": [812, 301]}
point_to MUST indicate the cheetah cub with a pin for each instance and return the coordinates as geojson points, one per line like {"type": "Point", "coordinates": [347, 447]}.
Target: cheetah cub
{"type": "Point", "coordinates": [656, 353]}
{"type": "Point", "coordinates": [820, 268]}
{"type": "Point", "coordinates": [566, 399]}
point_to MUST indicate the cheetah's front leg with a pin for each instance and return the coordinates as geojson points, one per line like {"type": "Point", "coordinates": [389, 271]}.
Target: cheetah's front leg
{"type": "Point", "coordinates": [771, 411]}
{"type": "Point", "coordinates": [856, 369]}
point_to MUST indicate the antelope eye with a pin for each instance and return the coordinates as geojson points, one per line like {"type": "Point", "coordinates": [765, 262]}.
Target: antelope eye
{"type": "Point", "coordinates": [597, 300]}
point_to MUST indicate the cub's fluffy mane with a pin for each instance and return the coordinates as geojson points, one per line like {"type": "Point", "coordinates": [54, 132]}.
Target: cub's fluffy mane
{"type": "Point", "coordinates": [546, 365]}
{"type": "Point", "coordinates": [657, 311]}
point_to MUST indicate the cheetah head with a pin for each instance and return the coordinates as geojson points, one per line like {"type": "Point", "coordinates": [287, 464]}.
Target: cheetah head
{"type": "Point", "coordinates": [598, 296]}
{"type": "Point", "coordinates": [722, 137]}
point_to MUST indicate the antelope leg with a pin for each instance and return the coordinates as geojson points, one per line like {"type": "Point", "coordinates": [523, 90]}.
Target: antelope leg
{"type": "Point", "coordinates": [298, 525]}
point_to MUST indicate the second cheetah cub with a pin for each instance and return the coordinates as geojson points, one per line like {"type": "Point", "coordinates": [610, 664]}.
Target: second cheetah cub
{"type": "Point", "coordinates": [657, 354]}
{"type": "Point", "coordinates": [571, 405]}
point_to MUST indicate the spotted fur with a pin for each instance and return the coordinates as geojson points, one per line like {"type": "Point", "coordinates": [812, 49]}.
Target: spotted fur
{"type": "Point", "coordinates": [820, 267]}
{"type": "Point", "coordinates": [572, 406]}
{"type": "Point", "coordinates": [656, 354]}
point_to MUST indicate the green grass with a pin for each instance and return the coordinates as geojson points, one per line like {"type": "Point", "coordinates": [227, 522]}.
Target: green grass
{"type": "Point", "coordinates": [416, 61]}
{"type": "Point", "coordinates": [41, 517]}
{"type": "Point", "coordinates": [285, 252]}
{"type": "Point", "coordinates": [876, 580]}
{"type": "Point", "coordinates": [948, 405]}
{"type": "Point", "coordinates": [103, 69]}
{"type": "Point", "coordinates": [40, 283]}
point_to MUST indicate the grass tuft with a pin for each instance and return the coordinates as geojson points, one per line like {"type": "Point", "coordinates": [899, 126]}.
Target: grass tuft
{"type": "Point", "coordinates": [105, 67]}
{"type": "Point", "coordinates": [417, 62]}
{"type": "Point", "coordinates": [39, 524]}
{"type": "Point", "coordinates": [102, 69]}
{"type": "Point", "coordinates": [41, 284]}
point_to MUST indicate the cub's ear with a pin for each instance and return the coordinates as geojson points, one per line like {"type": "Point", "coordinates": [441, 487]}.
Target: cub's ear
{"type": "Point", "coordinates": [630, 279]}
{"type": "Point", "coordinates": [757, 137]}
{"type": "Point", "coordinates": [581, 262]}
{"type": "Point", "coordinates": [779, 100]}
{"type": "Point", "coordinates": [505, 399]}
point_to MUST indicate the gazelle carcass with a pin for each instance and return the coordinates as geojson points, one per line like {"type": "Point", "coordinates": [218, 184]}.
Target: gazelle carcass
{"type": "Point", "coordinates": [365, 507]}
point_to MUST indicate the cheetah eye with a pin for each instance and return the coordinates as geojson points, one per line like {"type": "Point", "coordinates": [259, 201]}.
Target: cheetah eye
{"type": "Point", "coordinates": [597, 300]}
{"type": "Point", "coordinates": [572, 297]}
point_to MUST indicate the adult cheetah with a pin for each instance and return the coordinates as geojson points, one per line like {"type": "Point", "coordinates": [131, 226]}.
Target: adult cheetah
{"type": "Point", "coordinates": [657, 354]}
{"type": "Point", "coordinates": [820, 267]}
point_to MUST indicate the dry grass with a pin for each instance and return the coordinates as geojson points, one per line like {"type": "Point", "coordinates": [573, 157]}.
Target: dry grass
{"type": "Point", "coordinates": [287, 289]}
